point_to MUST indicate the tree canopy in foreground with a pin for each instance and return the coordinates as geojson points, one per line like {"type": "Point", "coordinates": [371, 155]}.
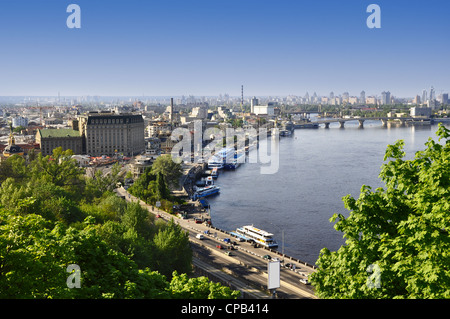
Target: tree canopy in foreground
{"type": "Point", "coordinates": [53, 218]}
{"type": "Point", "coordinates": [397, 237]}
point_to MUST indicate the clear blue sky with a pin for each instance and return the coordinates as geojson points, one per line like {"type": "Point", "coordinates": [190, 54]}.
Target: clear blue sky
{"type": "Point", "coordinates": [208, 47]}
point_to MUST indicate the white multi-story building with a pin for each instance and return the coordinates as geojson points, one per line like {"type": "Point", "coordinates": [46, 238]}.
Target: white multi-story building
{"type": "Point", "coordinates": [264, 109]}
{"type": "Point", "coordinates": [19, 121]}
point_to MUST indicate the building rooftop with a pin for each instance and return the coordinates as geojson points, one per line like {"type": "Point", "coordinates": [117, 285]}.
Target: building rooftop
{"type": "Point", "coordinates": [59, 133]}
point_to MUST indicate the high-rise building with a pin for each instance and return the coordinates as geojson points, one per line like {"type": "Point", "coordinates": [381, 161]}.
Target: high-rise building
{"type": "Point", "coordinates": [253, 102]}
{"type": "Point", "coordinates": [307, 100]}
{"type": "Point", "coordinates": [432, 94]}
{"type": "Point", "coordinates": [362, 97]}
{"type": "Point", "coordinates": [108, 133]}
{"type": "Point", "coordinates": [386, 98]}
{"type": "Point", "coordinates": [445, 98]}
{"type": "Point", "coordinates": [424, 96]}
{"type": "Point", "coordinates": [345, 97]}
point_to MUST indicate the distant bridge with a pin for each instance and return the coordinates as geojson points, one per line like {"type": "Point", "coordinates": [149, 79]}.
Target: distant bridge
{"type": "Point", "coordinates": [361, 120]}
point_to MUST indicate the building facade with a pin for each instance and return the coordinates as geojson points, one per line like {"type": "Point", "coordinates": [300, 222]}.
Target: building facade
{"type": "Point", "coordinates": [108, 133]}
{"type": "Point", "coordinates": [49, 139]}
{"type": "Point", "coordinates": [19, 121]}
{"type": "Point", "coordinates": [264, 109]}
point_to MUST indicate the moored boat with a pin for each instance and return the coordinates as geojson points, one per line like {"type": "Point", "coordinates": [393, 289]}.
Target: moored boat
{"type": "Point", "coordinates": [257, 235]}
{"type": "Point", "coordinates": [205, 192]}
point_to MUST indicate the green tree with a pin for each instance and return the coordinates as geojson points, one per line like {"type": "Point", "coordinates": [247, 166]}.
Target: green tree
{"type": "Point", "coordinates": [397, 234]}
{"type": "Point", "coordinates": [169, 169]}
{"type": "Point", "coordinates": [183, 287]}
{"type": "Point", "coordinates": [172, 250]}
{"type": "Point", "coordinates": [141, 187]}
{"type": "Point", "coordinates": [60, 169]}
{"type": "Point", "coordinates": [99, 182]}
{"type": "Point", "coordinates": [13, 167]}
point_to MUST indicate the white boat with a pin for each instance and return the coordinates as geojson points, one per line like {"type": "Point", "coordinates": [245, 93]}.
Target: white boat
{"type": "Point", "coordinates": [214, 172]}
{"type": "Point", "coordinates": [257, 235]}
{"type": "Point", "coordinates": [238, 159]}
{"type": "Point", "coordinates": [206, 191]}
{"type": "Point", "coordinates": [225, 155]}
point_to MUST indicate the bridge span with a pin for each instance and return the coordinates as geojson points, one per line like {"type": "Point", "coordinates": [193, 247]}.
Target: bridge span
{"type": "Point", "coordinates": [384, 120]}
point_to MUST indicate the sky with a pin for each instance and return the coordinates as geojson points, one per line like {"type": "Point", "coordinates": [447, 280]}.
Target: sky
{"type": "Point", "coordinates": [212, 47]}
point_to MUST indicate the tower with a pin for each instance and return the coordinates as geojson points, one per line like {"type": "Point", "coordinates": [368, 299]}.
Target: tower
{"type": "Point", "coordinates": [424, 96]}
{"type": "Point", "coordinates": [171, 113]}
{"type": "Point", "coordinates": [432, 94]}
{"type": "Point", "coordinates": [242, 96]}
{"type": "Point", "coordinates": [362, 97]}
{"type": "Point", "coordinates": [253, 103]}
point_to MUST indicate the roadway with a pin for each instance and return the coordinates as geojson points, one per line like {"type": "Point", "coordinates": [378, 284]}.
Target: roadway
{"type": "Point", "coordinates": [245, 267]}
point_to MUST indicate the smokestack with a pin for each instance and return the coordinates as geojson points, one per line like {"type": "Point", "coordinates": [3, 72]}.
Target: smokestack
{"type": "Point", "coordinates": [171, 112]}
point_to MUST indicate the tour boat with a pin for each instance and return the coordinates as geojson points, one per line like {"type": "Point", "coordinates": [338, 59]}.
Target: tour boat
{"type": "Point", "coordinates": [206, 191]}
{"type": "Point", "coordinates": [238, 159]}
{"type": "Point", "coordinates": [225, 155]}
{"type": "Point", "coordinates": [257, 235]}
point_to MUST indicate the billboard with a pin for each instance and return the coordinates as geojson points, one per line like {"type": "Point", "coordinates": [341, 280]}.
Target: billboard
{"type": "Point", "coordinates": [273, 269]}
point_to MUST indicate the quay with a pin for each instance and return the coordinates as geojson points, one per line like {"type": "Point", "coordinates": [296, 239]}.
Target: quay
{"type": "Point", "coordinates": [246, 268]}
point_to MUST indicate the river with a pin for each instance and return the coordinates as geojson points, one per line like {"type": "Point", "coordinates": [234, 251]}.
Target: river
{"type": "Point", "coordinates": [317, 167]}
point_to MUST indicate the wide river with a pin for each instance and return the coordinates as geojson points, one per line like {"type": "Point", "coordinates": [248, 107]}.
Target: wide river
{"type": "Point", "coordinates": [317, 167]}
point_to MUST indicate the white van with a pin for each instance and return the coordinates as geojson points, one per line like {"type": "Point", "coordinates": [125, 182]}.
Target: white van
{"type": "Point", "coordinates": [199, 236]}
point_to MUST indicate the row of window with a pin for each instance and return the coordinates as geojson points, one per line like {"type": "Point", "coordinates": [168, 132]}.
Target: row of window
{"type": "Point", "coordinates": [115, 121]}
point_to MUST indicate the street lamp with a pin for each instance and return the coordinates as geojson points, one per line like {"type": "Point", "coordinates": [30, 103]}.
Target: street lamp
{"type": "Point", "coordinates": [282, 237]}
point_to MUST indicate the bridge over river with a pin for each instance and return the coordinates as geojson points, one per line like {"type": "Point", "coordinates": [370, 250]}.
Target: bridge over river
{"type": "Point", "coordinates": [384, 120]}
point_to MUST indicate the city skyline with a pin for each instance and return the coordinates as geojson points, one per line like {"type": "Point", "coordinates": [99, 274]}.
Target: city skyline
{"type": "Point", "coordinates": [204, 48]}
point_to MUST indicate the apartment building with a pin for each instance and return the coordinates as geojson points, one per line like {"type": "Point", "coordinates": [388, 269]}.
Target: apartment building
{"type": "Point", "coordinates": [108, 133]}
{"type": "Point", "coordinates": [49, 139]}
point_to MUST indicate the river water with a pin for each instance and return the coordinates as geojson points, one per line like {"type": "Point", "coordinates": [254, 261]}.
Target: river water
{"type": "Point", "coordinates": [317, 167]}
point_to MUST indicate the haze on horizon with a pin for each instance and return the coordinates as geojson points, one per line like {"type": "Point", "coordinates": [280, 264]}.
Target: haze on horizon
{"type": "Point", "coordinates": [207, 48]}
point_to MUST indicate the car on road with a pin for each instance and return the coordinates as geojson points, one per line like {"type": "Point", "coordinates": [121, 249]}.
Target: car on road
{"type": "Point", "coordinates": [199, 236]}
{"type": "Point", "coordinates": [158, 216]}
{"type": "Point", "coordinates": [267, 257]}
{"type": "Point", "coordinates": [228, 253]}
{"type": "Point", "coordinates": [219, 246]}
{"type": "Point", "coordinates": [304, 281]}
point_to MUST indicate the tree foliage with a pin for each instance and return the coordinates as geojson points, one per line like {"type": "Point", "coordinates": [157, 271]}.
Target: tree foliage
{"type": "Point", "coordinates": [52, 216]}
{"type": "Point", "coordinates": [170, 170]}
{"type": "Point", "coordinates": [398, 235]}
{"type": "Point", "coordinates": [151, 187]}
